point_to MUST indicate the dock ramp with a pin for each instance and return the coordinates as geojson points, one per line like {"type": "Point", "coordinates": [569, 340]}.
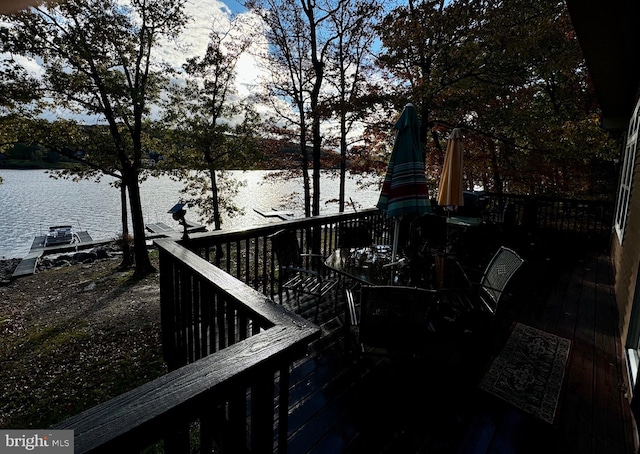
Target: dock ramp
{"type": "Point", "coordinates": [30, 261]}
{"type": "Point", "coordinates": [28, 264]}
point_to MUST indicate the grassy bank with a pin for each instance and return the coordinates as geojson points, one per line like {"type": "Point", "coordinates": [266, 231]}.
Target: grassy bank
{"type": "Point", "coordinates": [74, 337]}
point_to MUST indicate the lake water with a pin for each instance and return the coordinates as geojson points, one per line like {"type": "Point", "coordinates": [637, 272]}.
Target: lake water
{"type": "Point", "coordinates": [31, 201]}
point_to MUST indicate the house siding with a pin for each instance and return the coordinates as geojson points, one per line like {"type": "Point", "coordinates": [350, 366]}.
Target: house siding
{"type": "Point", "coordinates": [626, 257]}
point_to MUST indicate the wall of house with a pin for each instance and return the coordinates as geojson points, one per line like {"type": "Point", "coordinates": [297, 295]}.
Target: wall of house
{"type": "Point", "coordinates": [626, 257]}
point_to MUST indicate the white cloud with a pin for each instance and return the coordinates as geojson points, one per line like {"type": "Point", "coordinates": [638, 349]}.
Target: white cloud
{"type": "Point", "coordinates": [192, 42]}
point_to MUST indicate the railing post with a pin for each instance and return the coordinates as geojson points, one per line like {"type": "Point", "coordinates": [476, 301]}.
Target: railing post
{"type": "Point", "coordinates": [168, 310]}
{"type": "Point", "coordinates": [237, 422]}
{"type": "Point", "coordinates": [262, 412]}
{"type": "Point", "coordinates": [177, 441]}
{"type": "Point", "coordinates": [283, 413]}
{"type": "Point", "coordinates": [530, 213]}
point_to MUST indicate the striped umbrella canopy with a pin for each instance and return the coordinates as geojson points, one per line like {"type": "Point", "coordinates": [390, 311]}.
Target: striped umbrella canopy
{"type": "Point", "coordinates": [404, 189]}
{"type": "Point", "coordinates": [451, 190]}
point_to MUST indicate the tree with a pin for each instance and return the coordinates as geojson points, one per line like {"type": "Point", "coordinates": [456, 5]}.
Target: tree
{"type": "Point", "coordinates": [535, 106]}
{"type": "Point", "coordinates": [418, 57]}
{"type": "Point", "coordinates": [289, 74]}
{"type": "Point", "coordinates": [353, 25]}
{"type": "Point", "coordinates": [98, 60]}
{"type": "Point", "coordinates": [17, 102]}
{"type": "Point", "coordinates": [510, 73]}
{"type": "Point", "coordinates": [299, 36]}
{"type": "Point", "coordinates": [208, 120]}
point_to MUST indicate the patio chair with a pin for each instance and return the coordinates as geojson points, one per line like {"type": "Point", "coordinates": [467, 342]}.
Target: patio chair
{"type": "Point", "coordinates": [390, 320]}
{"type": "Point", "coordinates": [293, 276]}
{"type": "Point", "coordinates": [478, 304]}
{"type": "Point", "coordinates": [354, 235]}
{"type": "Point", "coordinates": [430, 232]}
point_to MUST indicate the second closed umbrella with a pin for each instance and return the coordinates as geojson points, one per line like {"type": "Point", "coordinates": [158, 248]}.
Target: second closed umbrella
{"type": "Point", "coordinates": [451, 190]}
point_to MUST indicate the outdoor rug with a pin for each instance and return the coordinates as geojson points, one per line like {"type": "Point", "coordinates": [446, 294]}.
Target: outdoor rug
{"type": "Point", "coordinates": [529, 370]}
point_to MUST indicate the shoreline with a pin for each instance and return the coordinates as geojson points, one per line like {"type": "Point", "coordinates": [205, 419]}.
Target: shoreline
{"type": "Point", "coordinates": [91, 252]}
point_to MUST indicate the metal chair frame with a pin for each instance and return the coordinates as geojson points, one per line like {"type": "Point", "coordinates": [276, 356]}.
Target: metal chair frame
{"type": "Point", "coordinates": [292, 275]}
{"type": "Point", "coordinates": [390, 320]}
{"type": "Point", "coordinates": [485, 295]}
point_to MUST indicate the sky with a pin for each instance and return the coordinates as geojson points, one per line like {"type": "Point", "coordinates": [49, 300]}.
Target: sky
{"type": "Point", "coordinates": [14, 5]}
{"type": "Point", "coordinates": [206, 13]}
{"type": "Point", "coordinates": [235, 7]}
{"type": "Point", "coordinates": [193, 41]}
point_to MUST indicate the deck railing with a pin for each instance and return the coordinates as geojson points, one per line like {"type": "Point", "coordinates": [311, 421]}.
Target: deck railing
{"type": "Point", "coordinates": [229, 346]}
{"type": "Point", "coordinates": [246, 253]}
{"type": "Point", "coordinates": [227, 399]}
{"type": "Point", "coordinates": [550, 213]}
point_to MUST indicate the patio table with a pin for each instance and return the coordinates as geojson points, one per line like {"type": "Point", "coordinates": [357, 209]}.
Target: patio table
{"type": "Point", "coordinates": [373, 266]}
{"type": "Point", "coordinates": [464, 221]}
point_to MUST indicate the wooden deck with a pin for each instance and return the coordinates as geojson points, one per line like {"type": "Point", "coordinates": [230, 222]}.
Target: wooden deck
{"type": "Point", "coordinates": [343, 405]}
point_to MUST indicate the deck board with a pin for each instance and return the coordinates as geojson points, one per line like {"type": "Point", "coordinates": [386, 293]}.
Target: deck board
{"type": "Point", "coordinates": [607, 378]}
{"type": "Point", "coordinates": [384, 406]}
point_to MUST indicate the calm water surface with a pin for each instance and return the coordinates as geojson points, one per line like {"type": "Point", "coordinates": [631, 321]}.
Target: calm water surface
{"type": "Point", "coordinates": [31, 201]}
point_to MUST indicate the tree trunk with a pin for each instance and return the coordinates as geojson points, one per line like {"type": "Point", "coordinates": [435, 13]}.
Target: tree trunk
{"type": "Point", "coordinates": [316, 180]}
{"type": "Point", "coordinates": [214, 194]}
{"type": "Point", "coordinates": [307, 186]}
{"type": "Point", "coordinates": [497, 179]}
{"type": "Point", "coordinates": [305, 165]}
{"type": "Point", "coordinates": [141, 256]}
{"type": "Point", "coordinates": [343, 160]}
{"type": "Point", "coordinates": [126, 246]}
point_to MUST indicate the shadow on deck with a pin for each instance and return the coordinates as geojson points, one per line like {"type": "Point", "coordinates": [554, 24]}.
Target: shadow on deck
{"type": "Point", "coordinates": [342, 405]}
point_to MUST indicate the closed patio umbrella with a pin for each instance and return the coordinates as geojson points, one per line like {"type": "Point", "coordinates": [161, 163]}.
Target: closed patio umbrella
{"type": "Point", "coordinates": [450, 190]}
{"type": "Point", "coordinates": [404, 189]}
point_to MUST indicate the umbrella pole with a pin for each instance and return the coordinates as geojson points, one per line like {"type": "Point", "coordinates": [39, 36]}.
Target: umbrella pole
{"type": "Point", "coordinates": [396, 232]}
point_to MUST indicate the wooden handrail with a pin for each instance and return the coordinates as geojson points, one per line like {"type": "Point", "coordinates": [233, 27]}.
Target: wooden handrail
{"type": "Point", "coordinates": [162, 408]}
{"type": "Point", "coordinates": [246, 253]}
{"type": "Point", "coordinates": [550, 213]}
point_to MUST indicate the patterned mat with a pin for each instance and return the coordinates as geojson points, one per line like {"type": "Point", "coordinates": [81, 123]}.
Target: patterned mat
{"type": "Point", "coordinates": [529, 370]}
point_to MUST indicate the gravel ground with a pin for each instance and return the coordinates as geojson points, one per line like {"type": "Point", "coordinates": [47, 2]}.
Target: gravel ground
{"type": "Point", "coordinates": [74, 334]}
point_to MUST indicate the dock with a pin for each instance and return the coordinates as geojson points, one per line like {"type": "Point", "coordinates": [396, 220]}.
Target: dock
{"type": "Point", "coordinates": [28, 264]}
{"type": "Point", "coordinates": [30, 261]}
{"type": "Point", "coordinates": [162, 229]}
{"type": "Point", "coordinates": [281, 214]}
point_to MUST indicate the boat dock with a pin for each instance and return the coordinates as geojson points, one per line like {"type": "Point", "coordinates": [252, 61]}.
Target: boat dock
{"type": "Point", "coordinates": [28, 264]}
{"type": "Point", "coordinates": [160, 229]}
{"type": "Point", "coordinates": [280, 214]}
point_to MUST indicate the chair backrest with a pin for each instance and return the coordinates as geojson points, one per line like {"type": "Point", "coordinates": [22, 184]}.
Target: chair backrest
{"type": "Point", "coordinates": [395, 317]}
{"type": "Point", "coordinates": [356, 235]}
{"type": "Point", "coordinates": [432, 230]}
{"type": "Point", "coordinates": [499, 271]}
{"type": "Point", "coordinates": [285, 245]}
